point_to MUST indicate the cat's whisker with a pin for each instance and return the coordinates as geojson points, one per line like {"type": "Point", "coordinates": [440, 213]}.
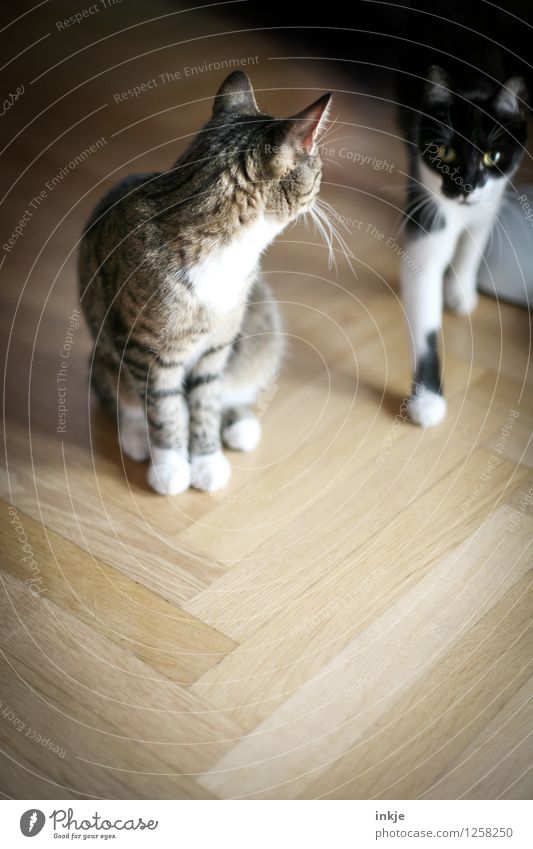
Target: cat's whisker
{"type": "Point", "coordinates": [333, 233]}
{"type": "Point", "coordinates": [426, 224]}
{"type": "Point", "coordinates": [325, 235]}
{"type": "Point", "coordinates": [411, 211]}
{"type": "Point", "coordinates": [332, 124]}
{"type": "Point", "coordinates": [333, 229]}
{"type": "Point", "coordinates": [329, 228]}
{"type": "Point", "coordinates": [337, 217]}
{"type": "Point", "coordinates": [340, 239]}
{"type": "Point", "coordinates": [324, 217]}
{"type": "Point", "coordinates": [293, 225]}
{"type": "Point", "coordinates": [348, 254]}
{"type": "Point", "coordinates": [333, 140]}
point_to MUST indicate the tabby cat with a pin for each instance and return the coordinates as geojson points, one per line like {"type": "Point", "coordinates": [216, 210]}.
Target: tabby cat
{"type": "Point", "coordinates": [464, 143]}
{"type": "Point", "coordinates": [186, 332]}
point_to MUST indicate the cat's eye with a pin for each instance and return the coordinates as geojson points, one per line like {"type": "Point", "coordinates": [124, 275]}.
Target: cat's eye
{"type": "Point", "coordinates": [491, 158]}
{"type": "Point", "coordinates": [445, 153]}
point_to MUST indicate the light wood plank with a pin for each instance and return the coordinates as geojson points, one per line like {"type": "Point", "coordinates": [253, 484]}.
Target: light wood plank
{"type": "Point", "coordinates": [181, 648]}
{"type": "Point", "coordinates": [334, 709]}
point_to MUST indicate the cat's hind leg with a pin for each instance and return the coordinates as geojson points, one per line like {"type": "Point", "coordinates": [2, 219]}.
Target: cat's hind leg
{"type": "Point", "coordinates": [112, 386]}
{"type": "Point", "coordinates": [241, 430]}
{"type": "Point", "coordinates": [252, 369]}
{"type": "Point", "coordinates": [133, 430]}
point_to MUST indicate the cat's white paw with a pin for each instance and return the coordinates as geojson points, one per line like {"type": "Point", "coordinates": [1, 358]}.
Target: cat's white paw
{"type": "Point", "coordinates": [462, 300]}
{"type": "Point", "coordinates": [242, 435]}
{"type": "Point", "coordinates": [426, 408]}
{"type": "Point", "coordinates": [133, 438]}
{"type": "Point", "coordinates": [210, 471]}
{"type": "Point", "coordinates": [169, 472]}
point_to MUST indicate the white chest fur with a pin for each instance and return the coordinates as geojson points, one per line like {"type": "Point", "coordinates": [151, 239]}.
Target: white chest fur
{"type": "Point", "coordinates": [221, 280]}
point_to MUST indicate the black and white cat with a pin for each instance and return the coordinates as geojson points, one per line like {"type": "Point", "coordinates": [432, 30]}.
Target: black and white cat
{"type": "Point", "coordinates": [464, 143]}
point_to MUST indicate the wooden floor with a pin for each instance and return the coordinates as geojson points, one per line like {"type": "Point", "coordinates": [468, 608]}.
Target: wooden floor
{"type": "Point", "coordinates": [349, 619]}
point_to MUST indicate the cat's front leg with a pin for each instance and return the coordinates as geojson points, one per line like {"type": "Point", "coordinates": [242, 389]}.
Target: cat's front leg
{"type": "Point", "coordinates": [210, 469]}
{"type": "Point", "coordinates": [460, 282]}
{"type": "Point", "coordinates": [166, 407]}
{"type": "Point", "coordinates": [422, 273]}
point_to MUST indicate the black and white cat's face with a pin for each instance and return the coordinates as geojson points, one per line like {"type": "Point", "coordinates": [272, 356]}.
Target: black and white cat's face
{"type": "Point", "coordinates": [470, 143]}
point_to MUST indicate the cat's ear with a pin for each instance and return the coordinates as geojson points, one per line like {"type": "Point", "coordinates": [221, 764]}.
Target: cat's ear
{"type": "Point", "coordinates": [302, 130]}
{"type": "Point", "coordinates": [511, 100]}
{"type": "Point", "coordinates": [235, 95]}
{"type": "Point", "coordinates": [290, 137]}
{"type": "Point", "coordinates": [438, 90]}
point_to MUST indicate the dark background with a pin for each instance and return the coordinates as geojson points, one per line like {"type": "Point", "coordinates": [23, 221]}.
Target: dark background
{"type": "Point", "coordinates": [380, 37]}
